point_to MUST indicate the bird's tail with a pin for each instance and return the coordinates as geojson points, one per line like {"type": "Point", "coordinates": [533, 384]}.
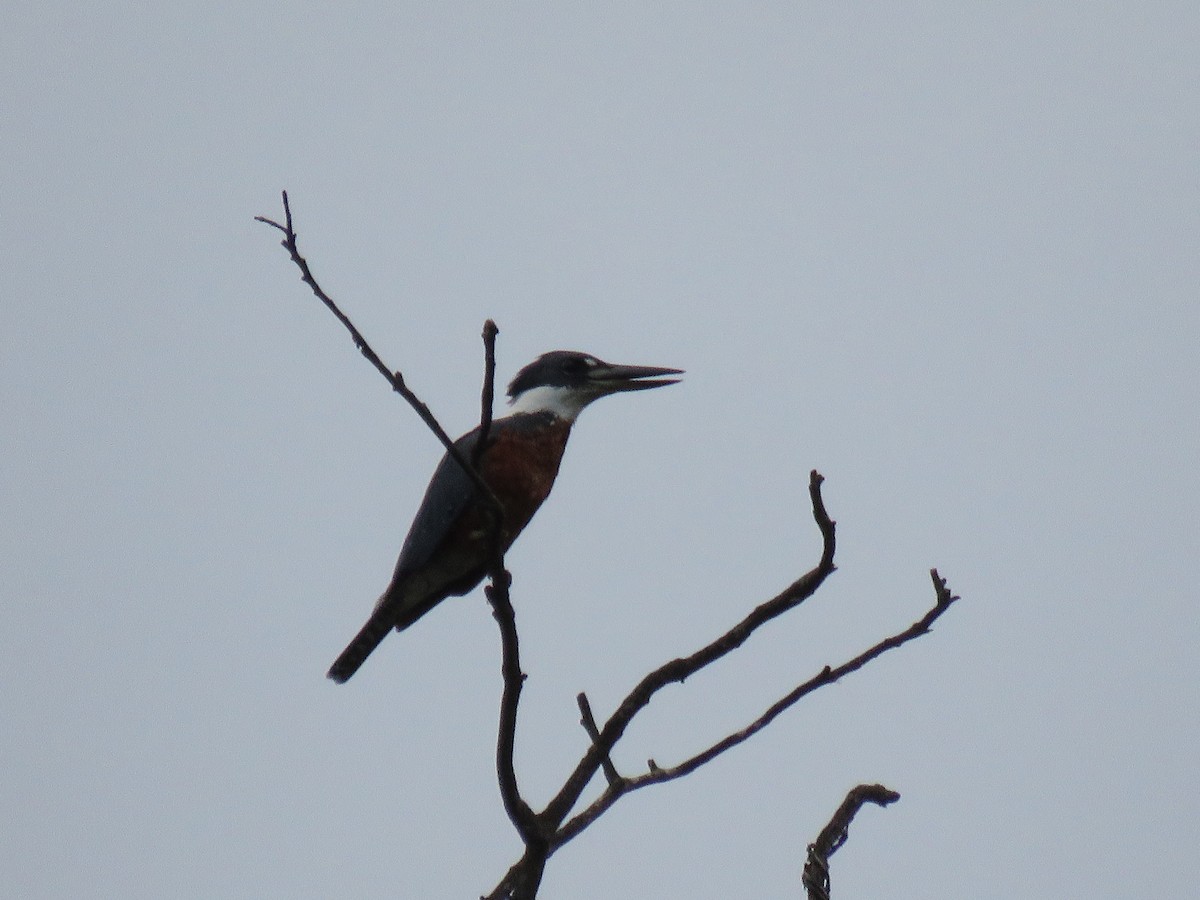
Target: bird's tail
{"type": "Point", "coordinates": [364, 643]}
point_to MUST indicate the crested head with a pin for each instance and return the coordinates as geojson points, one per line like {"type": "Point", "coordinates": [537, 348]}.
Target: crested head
{"type": "Point", "coordinates": [563, 382]}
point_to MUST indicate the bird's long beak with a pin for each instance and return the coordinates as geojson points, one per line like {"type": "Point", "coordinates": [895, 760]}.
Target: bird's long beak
{"type": "Point", "coordinates": [610, 379]}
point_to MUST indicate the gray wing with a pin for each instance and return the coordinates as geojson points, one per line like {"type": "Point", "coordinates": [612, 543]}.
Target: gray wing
{"type": "Point", "coordinates": [449, 493]}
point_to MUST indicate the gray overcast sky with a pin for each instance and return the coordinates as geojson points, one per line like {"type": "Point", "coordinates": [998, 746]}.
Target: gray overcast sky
{"type": "Point", "coordinates": [945, 253]}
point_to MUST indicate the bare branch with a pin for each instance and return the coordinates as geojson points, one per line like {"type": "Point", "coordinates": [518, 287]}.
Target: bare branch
{"type": "Point", "coordinates": [519, 811]}
{"type": "Point", "coordinates": [543, 833]}
{"type": "Point", "coordinates": [394, 378]}
{"type": "Point", "coordinates": [546, 833]}
{"type": "Point", "coordinates": [498, 591]}
{"type": "Point", "coordinates": [588, 721]}
{"type": "Point", "coordinates": [678, 670]}
{"type": "Point", "coordinates": [522, 816]}
{"type": "Point", "coordinates": [289, 244]}
{"type": "Point", "coordinates": [486, 401]}
{"type": "Point", "coordinates": [827, 676]}
{"type": "Point", "coordinates": [833, 835]}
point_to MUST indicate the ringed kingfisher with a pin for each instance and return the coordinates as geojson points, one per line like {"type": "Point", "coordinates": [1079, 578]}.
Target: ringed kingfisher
{"type": "Point", "coordinates": [447, 550]}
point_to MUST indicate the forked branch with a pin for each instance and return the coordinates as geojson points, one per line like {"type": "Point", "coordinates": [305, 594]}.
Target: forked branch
{"type": "Point", "coordinates": [498, 592]}
{"type": "Point", "coordinates": [543, 833]}
{"type": "Point", "coordinates": [555, 829]}
{"type": "Point", "coordinates": [677, 670]}
{"type": "Point", "coordinates": [658, 774]}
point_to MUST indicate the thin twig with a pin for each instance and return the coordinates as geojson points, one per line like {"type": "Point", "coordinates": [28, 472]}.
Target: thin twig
{"type": "Point", "coordinates": [496, 570]}
{"type": "Point", "coordinates": [498, 591]}
{"type": "Point", "coordinates": [678, 670]}
{"type": "Point", "coordinates": [588, 721]}
{"type": "Point", "coordinates": [519, 811]}
{"type": "Point", "coordinates": [394, 378]}
{"type": "Point", "coordinates": [487, 399]}
{"type": "Point", "coordinates": [827, 676]}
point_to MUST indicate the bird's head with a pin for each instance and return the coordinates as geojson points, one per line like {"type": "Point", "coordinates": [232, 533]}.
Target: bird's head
{"type": "Point", "coordinates": [563, 382]}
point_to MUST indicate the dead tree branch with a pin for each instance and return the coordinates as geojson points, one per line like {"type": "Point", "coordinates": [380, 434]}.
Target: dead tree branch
{"type": "Point", "coordinates": [827, 676]}
{"type": "Point", "coordinates": [555, 829]}
{"type": "Point", "coordinates": [394, 378]}
{"type": "Point", "coordinates": [678, 670]}
{"type": "Point", "coordinates": [588, 721]}
{"type": "Point", "coordinates": [522, 816]}
{"type": "Point", "coordinates": [544, 832]}
{"type": "Point", "coordinates": [833, 835]}
{"type": "Point", "coordinates": [519, 811]}
{"type": "Point", "coordinates": [488, 396]}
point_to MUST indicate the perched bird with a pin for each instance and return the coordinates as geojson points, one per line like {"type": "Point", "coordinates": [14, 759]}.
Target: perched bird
{"type": "Point", "coordinates": [448, 546]}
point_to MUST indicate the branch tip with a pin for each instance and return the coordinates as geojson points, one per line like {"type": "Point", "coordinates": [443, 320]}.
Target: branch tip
{"type": "Point", "coordinates": [394, 378]}
{"type": "Point", "coordinates": [834, 835]}
{"type": "Point", "coordinates": [942, 589]}
{"type": "Point", "coordinates": [588, 721]}
{"type": "Point", "coordinates": [486, 402]}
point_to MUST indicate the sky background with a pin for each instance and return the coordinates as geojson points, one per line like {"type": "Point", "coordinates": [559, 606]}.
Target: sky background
{"type": "Point", "coordinates": [946, 254]}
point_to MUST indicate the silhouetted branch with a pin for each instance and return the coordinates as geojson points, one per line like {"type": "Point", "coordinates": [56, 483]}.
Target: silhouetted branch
{"type": "Point", "coordinates": [827, 676]}
{"type": "Point", "coordinates": [527, 874]}
{"type": "Point", "coordinates": [543, 833]}
{"type": "Point", "coordinates": [518, 810]}
{"type": "Point", "coordinates": [833, 835]}
{"type": "Point", "coordinates": [677, 670]}
{"type": "Point", "coordinates": [490, 331]}
{"type": "Point", "coordinates": [551, 828]}
{"type": "Point", "coordinates": [522, 816]}
{"type": "Point", "coordinates": [588, 721]}
{"type": "Point", "coordinates": [395, 378]}
{"type": "Point", "coordinates": [523, 879]}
